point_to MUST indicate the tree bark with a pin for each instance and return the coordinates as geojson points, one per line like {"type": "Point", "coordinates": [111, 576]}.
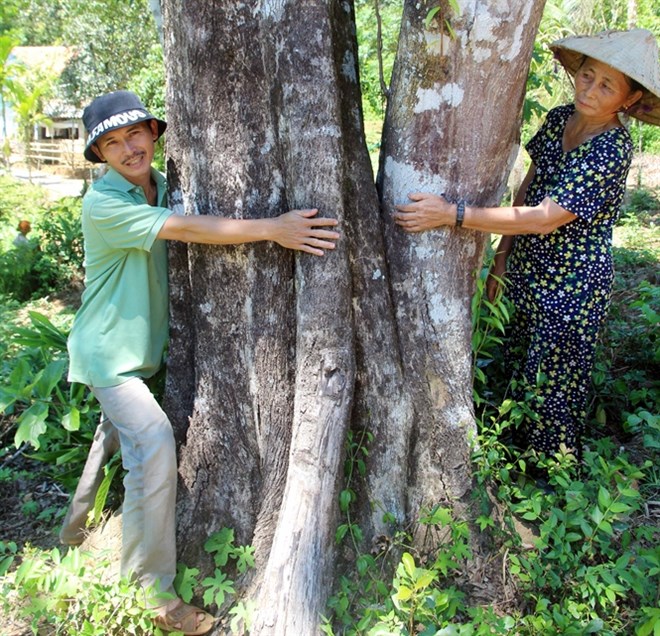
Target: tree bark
{"type": "Point", "coordinates": [452, 126]}
{"type": "Point", "coordinates": [274, 356]}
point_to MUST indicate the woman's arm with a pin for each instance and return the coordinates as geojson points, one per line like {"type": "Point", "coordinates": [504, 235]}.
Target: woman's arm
{"type": "Point", "coordinates": [296, 230]}
{"type": "Point", "coordinates": [430, 211]}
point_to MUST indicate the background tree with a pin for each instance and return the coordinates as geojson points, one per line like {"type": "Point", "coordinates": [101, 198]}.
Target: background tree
{"type": "Point", "coordinates": [116, 41]}
{"type": "Point", "coordinates": [27, 100]}
{"type": "Point", "coordinates": [275, 357]}
{"type": "Point", "coordinates": [8, 76]}
{"type": "Point", "coordinates": [113, 40]}
{"type": "Point", "coordinates": [34, 22]}
{"type": "Point", "coordinates": [377, 26]}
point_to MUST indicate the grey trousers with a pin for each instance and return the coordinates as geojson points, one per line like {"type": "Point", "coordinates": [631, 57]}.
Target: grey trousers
{"type": "Point", "coordinates": [132, 415]}
{"type": "Point", "coordinates": [104, 446]}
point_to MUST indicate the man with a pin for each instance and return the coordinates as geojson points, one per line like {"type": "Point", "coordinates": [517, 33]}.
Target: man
{"type": "Point", "coordinates": [120, 331]}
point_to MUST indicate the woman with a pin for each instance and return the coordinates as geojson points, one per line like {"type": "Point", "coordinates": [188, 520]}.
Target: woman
{"type": "Point", "coordinates": [556, 245]}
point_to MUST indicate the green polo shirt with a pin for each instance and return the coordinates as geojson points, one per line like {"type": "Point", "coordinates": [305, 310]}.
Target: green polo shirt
{"type": "Point", "coordinates": [121, 328]}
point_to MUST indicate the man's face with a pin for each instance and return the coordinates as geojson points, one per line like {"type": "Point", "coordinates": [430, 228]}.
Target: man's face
{"type": "Point", "coordinates": [129, 150]}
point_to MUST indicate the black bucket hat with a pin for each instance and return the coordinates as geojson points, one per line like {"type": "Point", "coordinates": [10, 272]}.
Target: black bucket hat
{"type": "Point", "coordinates": [111, 111]}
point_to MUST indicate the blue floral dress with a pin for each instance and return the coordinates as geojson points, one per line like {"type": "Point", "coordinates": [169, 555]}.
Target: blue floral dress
{"type": "Point", "coordinates": [560, 282]}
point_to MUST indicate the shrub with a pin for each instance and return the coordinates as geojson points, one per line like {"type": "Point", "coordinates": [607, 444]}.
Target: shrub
{"type": "Point", "coordinates": [645, 137]}
{"type": "Point", "coordinates": [53, 258]}
{"type": "Point", "coordinates": [45, 409]}
{"type": "Point", "coordinates": [60, 260]}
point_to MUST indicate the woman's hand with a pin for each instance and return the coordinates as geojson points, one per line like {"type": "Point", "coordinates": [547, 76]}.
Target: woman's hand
{"type": "Point", "coordinates": [428, 211]}
{"type": "Point", "coordinates": [297, 230]}
{"type": "Point", "coordinates": [495, 277]}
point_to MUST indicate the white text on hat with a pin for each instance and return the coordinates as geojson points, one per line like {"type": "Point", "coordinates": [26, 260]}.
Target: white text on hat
{"type": "Point", "coordinates": [115, 121]}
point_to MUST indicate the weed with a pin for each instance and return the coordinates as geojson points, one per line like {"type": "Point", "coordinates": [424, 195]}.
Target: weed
{"type": "Point", "coordinates": [68, 592]}
{"type": "Point", "coordinates": [43, 404]}
{"type": "Point", "coordinates": [594, 565]}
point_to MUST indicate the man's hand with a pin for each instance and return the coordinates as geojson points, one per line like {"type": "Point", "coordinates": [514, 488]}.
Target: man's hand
{"type": "Point", "coordinates": [299, 230]}
{"type": "Point", "coordinates": [296, 230]}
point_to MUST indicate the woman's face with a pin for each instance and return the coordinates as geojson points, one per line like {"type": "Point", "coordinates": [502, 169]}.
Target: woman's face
{"type": "Point", "coordinates": [601, 91]}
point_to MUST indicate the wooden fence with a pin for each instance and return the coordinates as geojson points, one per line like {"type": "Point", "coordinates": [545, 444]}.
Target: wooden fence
{"type": "Point", "coordinates": [65, 152]}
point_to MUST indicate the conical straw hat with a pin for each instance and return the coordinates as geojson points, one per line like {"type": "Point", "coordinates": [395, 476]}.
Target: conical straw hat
{"type": "Point", "coordinates": [633, 52]}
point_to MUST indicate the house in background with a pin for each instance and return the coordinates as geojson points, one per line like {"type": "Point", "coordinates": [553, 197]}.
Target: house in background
{"type": "Point", "coordinates": [61, 142]}
{"type": "Point", "coordinates": [66, 119]}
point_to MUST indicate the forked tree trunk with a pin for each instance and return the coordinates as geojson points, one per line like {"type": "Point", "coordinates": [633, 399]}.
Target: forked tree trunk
{"type": "Point", "coordinates": [451, 127]}
{"type": "Point", "coordinates": [274, 356]}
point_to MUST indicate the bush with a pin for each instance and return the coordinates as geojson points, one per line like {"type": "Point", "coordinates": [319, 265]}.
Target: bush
{"type": "Point", "coordinates": [640, 203]}
{"type": "Point", "coordinates": [18, 201]}
{"type": "Point", "coordinates": [18, 278]}
{"type": "Point", "coordinates": [646, 136]}
{"type": "Point", "coordinates": [54, 417]}
{"type": "Point", "coordinates": [59, 232]}
{"type": "Point", "coordinates": [53, 258]}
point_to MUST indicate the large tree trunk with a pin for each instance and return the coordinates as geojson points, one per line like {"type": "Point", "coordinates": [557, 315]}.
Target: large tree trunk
{"type": "Point", "coordinates": [274, 356]}
{"type": "Point", "coordinates": [451, 127]}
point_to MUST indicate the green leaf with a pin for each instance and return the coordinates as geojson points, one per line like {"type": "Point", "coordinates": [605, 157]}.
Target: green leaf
{"type": "Point", "coordinates": [52, 335]}
{"type": "Point", "coordinates": [651, 442]}
{"type": "Point", "coordinates": [604, 498]}
{"type": "Point", "coordinates": [244, 556]}
{"type": "Point", "coordinates": [364, 562]}
{"type": "Point", "coordinates": [345, 500]}
{"type": "Point", "coordinates": [597, 515]}
{"type": "Point", "coordinates": [31, 425]}
{"type": "Point", "coordinates": [64, 457]}
{"type": "Point", "coordinates": [220, 543]}
{"type": "Point", "coordinates": [429, 17]}
{"type": "Point", "coordinates": [455, 7]}
{"type": "Point", "coordinates": [408, 564]}
{"type": "Point", "coordinates": [102, 492]}
{"type": "Point", "coordinates": [242, 612]}
{"type": "Point", "coordinates": [217, 587]}
{"type": "Point", "coordinates": [596, 625]}
{"type": "Point", "coordinates": [424, 580]}
{"type": "Point", "coordinates": [341, 532]}
{"type": "Point", "coordinates": [619, 506]}
{"type": "Point", "coordinates": [186, 581]}
{"type": "Point", "coordinates": [49, 378]}
{"type": "Point", "coordinates": [19, 376]}
{"type": "Point", "coordinates": [7, 398]}
{"type": "Point", "coordinates": [71, 419]}
{"type": "Point", "coordinates": [440, 516]}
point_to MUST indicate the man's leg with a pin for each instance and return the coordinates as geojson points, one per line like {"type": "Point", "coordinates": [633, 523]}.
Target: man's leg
{"type": "Point", "coordinates": [149, 456]}
{"type": "Point", "coordinates": [104, 446]}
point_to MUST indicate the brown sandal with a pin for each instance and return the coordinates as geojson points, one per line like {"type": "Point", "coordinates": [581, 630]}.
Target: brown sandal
{"type": "Point", "coordinates": [186, 617]}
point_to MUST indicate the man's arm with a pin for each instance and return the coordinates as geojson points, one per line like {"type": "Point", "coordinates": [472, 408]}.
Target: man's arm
{"type": "Point", "coordinates": [296, 230]}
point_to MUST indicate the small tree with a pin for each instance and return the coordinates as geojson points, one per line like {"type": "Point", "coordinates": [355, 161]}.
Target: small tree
{"type": "Point", "coordinates": [8, 73]}
{"type": "Point", "coordinates": [27, 100]}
